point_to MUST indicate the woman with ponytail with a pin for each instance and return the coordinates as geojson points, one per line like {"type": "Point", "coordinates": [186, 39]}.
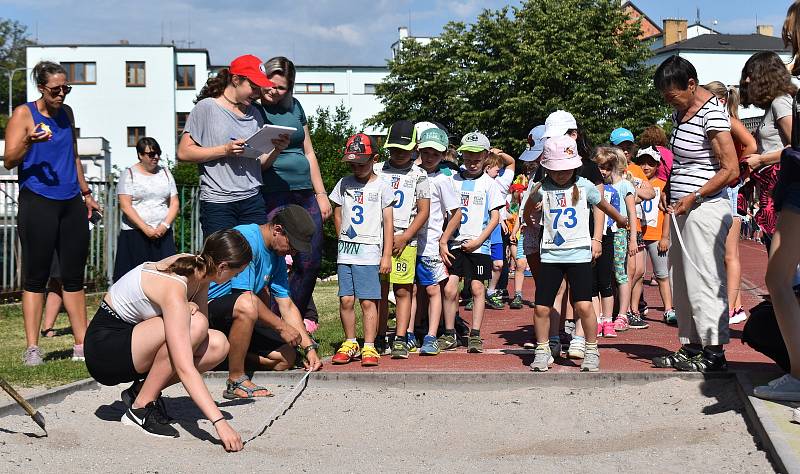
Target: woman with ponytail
{"type": "Point", "coordinates": [745, 145]}
{"type": "Point", "coordinates": [224, 116]}
{"type": "Point", "coordinates": [151, 329]}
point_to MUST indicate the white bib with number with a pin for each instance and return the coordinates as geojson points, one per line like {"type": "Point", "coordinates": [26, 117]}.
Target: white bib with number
{"type": "Point", "coordinates": [565, 226]}
{"type": "Point", "coordinates": [473, 194]}
{"type": "Point", "coordinates": [362, 213]}
{"type": "Point", "coordinates": [404, 188]}
{"type": "Point", "coordinates": [649, 209]}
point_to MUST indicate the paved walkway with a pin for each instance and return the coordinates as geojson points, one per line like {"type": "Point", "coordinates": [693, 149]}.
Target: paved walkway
{"type": "Point", "coordinates": [504, 332]}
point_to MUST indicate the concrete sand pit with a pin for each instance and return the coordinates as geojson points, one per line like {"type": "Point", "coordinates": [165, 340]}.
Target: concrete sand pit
{"type": "Point", "coordinates": [671, 425]}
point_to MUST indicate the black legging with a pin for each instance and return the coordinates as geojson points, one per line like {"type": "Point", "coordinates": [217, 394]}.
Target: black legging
{"type": "Point", "coordinates": [603, 269]}
{"type": "Point", "coordinates": [47, 226]}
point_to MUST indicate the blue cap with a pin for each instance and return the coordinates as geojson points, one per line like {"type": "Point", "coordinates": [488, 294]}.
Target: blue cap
{"type": "Point", "coordinates": [535, 151]}
{"type": "Point", "coordinates": [620, 135]}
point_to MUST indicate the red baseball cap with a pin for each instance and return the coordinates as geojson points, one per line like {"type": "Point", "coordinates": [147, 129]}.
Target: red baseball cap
{"type": "Point", "coordinates": [252, 68]}
{"type": "Point", "coordinates": [360, 148]}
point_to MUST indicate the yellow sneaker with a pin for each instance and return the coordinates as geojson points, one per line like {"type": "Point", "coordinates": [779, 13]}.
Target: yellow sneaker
{"type": "Point", "coordinates": [348, 352]}
{"type": "Point", "coordinates": [369, 357]}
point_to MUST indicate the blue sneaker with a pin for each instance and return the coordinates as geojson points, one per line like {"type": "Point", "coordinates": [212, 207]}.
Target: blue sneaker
{"type": "Point", "coordinates": [411, 342]}
{"type": "Point", "coordinates": [430, 346]}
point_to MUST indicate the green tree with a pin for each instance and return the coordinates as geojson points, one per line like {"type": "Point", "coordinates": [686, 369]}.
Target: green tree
{"type": "Point", "coordinates": [13, 40]}
{"type": "Point", "coordinates": [329, 132]}
{"type": "Point", "coordinates": [514, 66]}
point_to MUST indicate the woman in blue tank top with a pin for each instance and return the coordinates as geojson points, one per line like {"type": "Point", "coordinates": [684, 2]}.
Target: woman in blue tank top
{"type": "Point", "coordinates": [54, 204]}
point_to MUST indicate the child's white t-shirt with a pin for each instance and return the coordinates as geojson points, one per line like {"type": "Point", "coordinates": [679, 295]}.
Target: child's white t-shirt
{"type": "Point", "coordinates": [361, 233]}
{"type": "Point", "coordinates": [408, 185]}
{"type": "Point", "coordinates": [478, 197]}
{"type": "Point", "coordinates": [443, 200]}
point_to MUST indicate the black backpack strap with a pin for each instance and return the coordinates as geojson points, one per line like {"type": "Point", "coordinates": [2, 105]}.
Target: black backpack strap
{"type": "Point", "coordinates": [796, 122]}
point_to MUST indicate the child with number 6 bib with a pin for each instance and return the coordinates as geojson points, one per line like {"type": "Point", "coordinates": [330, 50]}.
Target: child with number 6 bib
{"type": "Point", "coordinates": [363, 220]}
{"type": "Point", "coordinates": [564, 199]}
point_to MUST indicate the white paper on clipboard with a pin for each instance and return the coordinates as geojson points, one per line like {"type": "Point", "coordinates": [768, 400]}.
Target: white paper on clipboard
{"type": "Point", "coordinates": [261, 141]}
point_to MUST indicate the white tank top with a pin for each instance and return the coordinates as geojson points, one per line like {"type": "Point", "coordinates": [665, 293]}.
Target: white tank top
{"type": "Point", "coordinates": [128, 299]}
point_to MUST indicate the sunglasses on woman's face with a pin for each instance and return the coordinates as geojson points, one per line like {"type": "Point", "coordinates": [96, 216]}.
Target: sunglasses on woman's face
{"type": "Point", "coordinates": [152, 154]}
{"type": "Point", "coordinates": [58, 90]}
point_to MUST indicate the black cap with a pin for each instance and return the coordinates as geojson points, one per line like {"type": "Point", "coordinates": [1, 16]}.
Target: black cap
{"type": "Point", "coordinates": [298, 226]}
{"type": "Point", "coordinates": [402, 134]}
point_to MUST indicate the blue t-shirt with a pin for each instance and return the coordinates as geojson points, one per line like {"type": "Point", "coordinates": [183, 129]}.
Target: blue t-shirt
{"type": "Point", "coordinates": [577, 254]}
{"type": "Point", "coordinates": [267, 267]}
{"type": "Point", "coordinates": [290, 171]}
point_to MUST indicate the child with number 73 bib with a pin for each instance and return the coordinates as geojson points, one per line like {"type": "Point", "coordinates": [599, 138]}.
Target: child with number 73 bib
{"type": "Point", "coordinates": [563, 198]}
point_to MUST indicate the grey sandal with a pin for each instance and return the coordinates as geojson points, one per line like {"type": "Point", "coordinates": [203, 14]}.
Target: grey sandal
{"type": "Point", "coordinates": [238, 384]}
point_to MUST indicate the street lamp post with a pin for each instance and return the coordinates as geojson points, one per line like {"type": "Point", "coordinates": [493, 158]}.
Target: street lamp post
{"type": "Point", "coordinates": [10, 73]}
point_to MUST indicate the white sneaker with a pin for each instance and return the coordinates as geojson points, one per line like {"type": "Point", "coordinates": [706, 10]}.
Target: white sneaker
{"type": "Point", "coordinates": [786, 388]}
{"type": "Point", "coordinates": [577, 349]}
{"type": "Point", "coordinates": [796, 415]}
{"type": "Point", "coordinates": [739, 316]}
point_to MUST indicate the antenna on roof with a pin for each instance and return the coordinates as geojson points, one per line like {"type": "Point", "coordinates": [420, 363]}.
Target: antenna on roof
{"type": "Point", "coordinates": [697, 20]}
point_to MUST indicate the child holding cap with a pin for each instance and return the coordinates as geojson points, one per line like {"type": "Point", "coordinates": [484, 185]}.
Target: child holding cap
{"type": "Point", "coordinates": [564, 199]}
{"type": "Point", "coordinates": [468, 257]}
{"type": "Point", "coordinates": [362, 217]}
{"type": "Point", "coordinates": [656, 229]}
{"type": "Point", "coordinates": [444, 219]}
{"type": "Point", "coordinates": [412, 199]}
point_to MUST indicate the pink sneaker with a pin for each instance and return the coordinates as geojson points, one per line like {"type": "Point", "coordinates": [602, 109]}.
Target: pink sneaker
{"type": "Point", "coordinates": [621, 323]}
{"type": "Point", "coordinates": [608, 329]}
{"type": "Point", "coordinates": [311, 326]}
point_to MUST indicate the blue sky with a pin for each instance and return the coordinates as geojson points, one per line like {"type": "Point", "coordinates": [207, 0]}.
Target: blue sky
{"type": "Point", "coordinates": [311, 31]}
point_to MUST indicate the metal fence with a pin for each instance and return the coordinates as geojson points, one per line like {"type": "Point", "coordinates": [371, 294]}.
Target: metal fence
{"type": "Point", "coordinates": [103, 237]}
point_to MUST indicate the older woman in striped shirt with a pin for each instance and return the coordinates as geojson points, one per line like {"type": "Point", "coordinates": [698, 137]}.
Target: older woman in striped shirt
{"type": "Point", "coordinates": [705, 161]}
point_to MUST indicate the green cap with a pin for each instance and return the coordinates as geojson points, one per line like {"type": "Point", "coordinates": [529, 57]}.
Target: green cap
{"type": "Point", "coordinates": [434, 138]}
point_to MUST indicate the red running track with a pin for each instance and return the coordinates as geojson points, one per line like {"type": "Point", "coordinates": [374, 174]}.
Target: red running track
{"type": "Point", "coordinates": [504, 332]}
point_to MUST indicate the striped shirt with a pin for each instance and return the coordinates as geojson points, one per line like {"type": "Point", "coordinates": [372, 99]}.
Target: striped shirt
{"type": "Point", "coordinates": [695, 162]}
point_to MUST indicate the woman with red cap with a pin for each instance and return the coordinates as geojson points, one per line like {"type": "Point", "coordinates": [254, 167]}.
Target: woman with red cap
{"type": "Point", "coordinates": [224, 115]}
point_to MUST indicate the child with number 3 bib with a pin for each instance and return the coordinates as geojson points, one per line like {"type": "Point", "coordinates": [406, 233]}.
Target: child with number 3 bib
{"type": "Point", "coordinates": [564, 199]}
{"type": "Point", "coordinates": [363, 220]}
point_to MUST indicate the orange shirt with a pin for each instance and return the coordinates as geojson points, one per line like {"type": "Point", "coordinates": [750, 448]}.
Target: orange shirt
{"type": "Point", "coordinates": [653, 217]}
{"type": "Point", "coordinates": [638, 177]}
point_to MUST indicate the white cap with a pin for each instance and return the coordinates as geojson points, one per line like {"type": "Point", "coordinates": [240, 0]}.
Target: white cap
{"type": "Point", "coordinates": [558, 123]}
{"type": "Point", "coordinates": [422, 126]}
{"type": "Point", "coordinates": [651, 152]}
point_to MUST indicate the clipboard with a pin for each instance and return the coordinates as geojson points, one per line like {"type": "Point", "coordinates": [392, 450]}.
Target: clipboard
{"type": "Point", "coordinates": [261, 141]}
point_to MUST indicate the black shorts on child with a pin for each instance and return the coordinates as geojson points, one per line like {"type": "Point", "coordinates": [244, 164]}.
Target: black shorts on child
{"type": "Point", "coordinates": [471, 266]}
{"type": "Point", "coordinates": [548, 281]}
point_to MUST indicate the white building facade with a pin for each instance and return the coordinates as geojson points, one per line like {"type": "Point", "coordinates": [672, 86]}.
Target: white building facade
{"type": "Point", "coordinates": [123, 92]}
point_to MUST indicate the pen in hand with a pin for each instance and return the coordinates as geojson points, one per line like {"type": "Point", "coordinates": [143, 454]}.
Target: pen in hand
{"type": "Point", "coordinates": [243, 144]}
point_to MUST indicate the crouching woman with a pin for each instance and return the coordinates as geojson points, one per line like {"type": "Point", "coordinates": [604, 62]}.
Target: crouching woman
{"type": "Point", "coordinates": [151, 330]}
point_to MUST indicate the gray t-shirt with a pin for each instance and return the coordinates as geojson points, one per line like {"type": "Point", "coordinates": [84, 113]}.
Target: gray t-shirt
{"type": "Point", "coordinates": [768, 136]}
{"type": "Point", "coordinates": [232, 178]}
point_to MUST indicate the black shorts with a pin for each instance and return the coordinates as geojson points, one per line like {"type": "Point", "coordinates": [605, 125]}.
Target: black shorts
{"type": "Point", "coordinates": [548, 281]}
{"type": "Point", "coordinates": [107, 348]}
{"type": "Point", "coordinates": [220, 317]}
{"type": "Point", "coordinates": [471, 266]}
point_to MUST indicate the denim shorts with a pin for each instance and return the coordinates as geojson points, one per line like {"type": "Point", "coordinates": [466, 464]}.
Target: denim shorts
{"type": "Point", "coordinates": [216, 216]}
{"type": "Point", "coordinates": [733, 197]}
{"type": "Point", "coordinates": [363, 281]}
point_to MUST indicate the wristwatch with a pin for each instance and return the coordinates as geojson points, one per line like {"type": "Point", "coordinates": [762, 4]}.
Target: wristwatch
{"type": "Point", "coordinates": [698, 198]}
{"type": "Point", "coordinates": [312, 346]}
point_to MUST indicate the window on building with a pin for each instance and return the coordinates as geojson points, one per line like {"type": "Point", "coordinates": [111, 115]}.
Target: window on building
{"type": "Point", "coordinates": [314, 88]}
{"type": "Point", "coordinates": [134, 134]}
{"type": "Point", "coordinates": [81, 73]}
{"type": "Point", "coordinates": [184, 76]}
{"type": "Point", "coordinates": [369, 88]}
{"type": "Point", "coordinates": [180, 121]}
{"type": "Point", "coordinates": [134, 73]}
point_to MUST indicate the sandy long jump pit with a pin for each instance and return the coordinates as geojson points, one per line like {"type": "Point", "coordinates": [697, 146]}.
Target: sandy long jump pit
{"type": "Point", "coordinates": [344, 425]}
